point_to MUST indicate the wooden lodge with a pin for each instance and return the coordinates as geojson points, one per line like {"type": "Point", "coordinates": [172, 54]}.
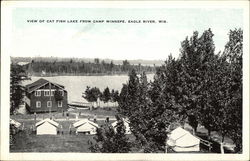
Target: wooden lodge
{"type": "Point", "coordinates": [45, 96]}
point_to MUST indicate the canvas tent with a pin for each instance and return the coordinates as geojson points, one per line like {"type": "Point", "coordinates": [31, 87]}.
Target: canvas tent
{"type": "Point", "coordinates": [85, 126]}
{"type": "Point", "coordinates": [181, 140]}
{"type": "Point", "coordinates": [46, 127]}
{"type": "Point", "coordinates": [126, 124]}
{"type": "Point", "coordinates": [15, 126]}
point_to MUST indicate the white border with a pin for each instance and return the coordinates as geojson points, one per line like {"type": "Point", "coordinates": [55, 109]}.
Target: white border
{"type": "Point", "coordinates": [6, 17]}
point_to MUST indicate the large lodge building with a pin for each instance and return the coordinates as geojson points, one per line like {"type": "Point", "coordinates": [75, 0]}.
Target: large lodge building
{"type": "Point", "coordinates": [42, 96]}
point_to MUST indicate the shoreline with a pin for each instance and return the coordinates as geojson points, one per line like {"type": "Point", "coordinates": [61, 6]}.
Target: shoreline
{"type": "Point", "coordinates": [85, 74]}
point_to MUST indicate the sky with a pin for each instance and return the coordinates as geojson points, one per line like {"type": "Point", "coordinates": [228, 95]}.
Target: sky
{"type": "Point", "coordinates": [150, 41]}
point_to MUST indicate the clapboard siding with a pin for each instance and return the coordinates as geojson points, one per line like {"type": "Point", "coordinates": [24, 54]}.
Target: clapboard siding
{"type": "Point", "coordinates": [44, 99]}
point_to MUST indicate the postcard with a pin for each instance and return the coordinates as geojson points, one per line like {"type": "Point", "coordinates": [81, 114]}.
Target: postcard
{"type": "Point", "coordinates": [119, 80]}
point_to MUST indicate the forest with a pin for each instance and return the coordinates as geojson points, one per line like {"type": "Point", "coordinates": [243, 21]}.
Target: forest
{"type": "Point", "coordinates": [71, 66]}
{"type": "Point", "coordinates": [200, 87]}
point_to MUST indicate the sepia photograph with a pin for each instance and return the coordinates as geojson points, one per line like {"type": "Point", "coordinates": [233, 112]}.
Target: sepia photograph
{"type": "Point", "coordinates": [131, 78]}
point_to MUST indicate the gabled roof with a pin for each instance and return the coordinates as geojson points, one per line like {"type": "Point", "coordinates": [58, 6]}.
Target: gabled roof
{"type": "Point", "coordinates": [47, 120]}
{"type": "Point", "coordinates": [40, 82]}
{"type": "Point", "coordinates": [84, 121]}
{"type": "Point", "coordinates": [178, 133]}
{"type": "Point", "coordinates": [187, 140]}
{"type": "Point", "coordinates": [15, 123]}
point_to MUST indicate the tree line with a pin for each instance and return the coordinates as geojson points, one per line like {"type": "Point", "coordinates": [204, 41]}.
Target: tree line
{"type": "Point", "coordinates": [200, 87]}
{"type": "Point", "coordinates": [94, 94]}
{"type": "Point", "coordinates": [73, 67]}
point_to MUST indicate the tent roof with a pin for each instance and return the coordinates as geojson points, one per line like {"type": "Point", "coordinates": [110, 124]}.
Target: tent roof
{"type": "Point", "coordinates": [178, 133]}
{"type": "Point", "coordinates": [182, 138]}
{"type": "Point", "coordinates": [84, 121]}
{"type": "Point", "coordinates": [15, 123]}
{"type": "Point", "coordinates": [47, 120]}
{"type": "Point", "coordinates": [187, 140]}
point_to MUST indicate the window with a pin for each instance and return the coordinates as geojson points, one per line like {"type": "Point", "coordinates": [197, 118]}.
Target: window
{"type": "Point", "coordinates": [38, 104]}
{"type": "Point", "coordinates": [46, 92]}
{"type": "Point", "coordinates": [59, 103]}
{"type": "Point", "coordinates": [49, 104]}
{"type": "Point", "coordinates": [38, 93]}
{"type": "Point", "coordinates": [52, 93]}
{"type": "Point", "coordinates": [62, 92]}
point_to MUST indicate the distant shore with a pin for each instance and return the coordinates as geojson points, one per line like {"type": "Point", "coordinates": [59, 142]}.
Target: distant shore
{"type": "Point", "coordinates": [82, 74]}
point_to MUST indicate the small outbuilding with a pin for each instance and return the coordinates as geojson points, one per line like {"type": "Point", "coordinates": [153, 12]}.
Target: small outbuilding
{"type": "Point", "coordinates": [46, 127]}
{"type": "Point", "coordinates": [181, 140]}
{"type": "Point", "coordinates": [85, 126]}
{"type": "Point", "coordinates": [126, 124]}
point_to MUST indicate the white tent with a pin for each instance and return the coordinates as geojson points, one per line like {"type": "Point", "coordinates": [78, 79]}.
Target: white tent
{"type": "Point", "coordinates": [126, 124]}
{"type": "Point", "coordinates": [15, 123]}
{"type": "Point", "coordinates": [85, 126]}
{"type": "Point", "coordinates": [46, 127]}
{"type": "Point", "coordinates": [183, 141]}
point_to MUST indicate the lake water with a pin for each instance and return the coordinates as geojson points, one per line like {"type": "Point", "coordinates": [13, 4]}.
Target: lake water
{"type": "Point", "coordinates": [76, 85]}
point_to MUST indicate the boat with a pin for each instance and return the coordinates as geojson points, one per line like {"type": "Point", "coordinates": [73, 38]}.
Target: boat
{"type": "Point", "coordinates": [76, 104]}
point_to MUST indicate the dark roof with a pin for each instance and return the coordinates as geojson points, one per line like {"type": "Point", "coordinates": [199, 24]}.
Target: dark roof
{"type": "Point", "coordinates": [40, 82]}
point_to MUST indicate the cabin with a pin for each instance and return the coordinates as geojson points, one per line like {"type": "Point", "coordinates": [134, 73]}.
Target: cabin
{"type": "Point", "coordinates": [181, 140]}
{"type": "Point", "coordinates": [126, 124]}
{"type": "Point", "coordinates": [45, 96]}
{"type": "Point", "coordinates": [47, 127]}
{"type": "Point", "coordinates": [85, 126]}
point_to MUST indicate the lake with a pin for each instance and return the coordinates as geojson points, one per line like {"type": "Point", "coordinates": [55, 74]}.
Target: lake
{"type": "Point", "coordinates": [76, 85]}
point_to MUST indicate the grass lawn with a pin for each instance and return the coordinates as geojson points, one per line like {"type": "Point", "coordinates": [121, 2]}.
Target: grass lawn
{"type": "Point", "coordinates": [100, 113]}
{"type": "Point", "coordinates": [26, 142]}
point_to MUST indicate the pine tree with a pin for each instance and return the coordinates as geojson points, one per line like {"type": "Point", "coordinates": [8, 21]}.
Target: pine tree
{"type": "Point", "coordinates": [106, 95]}
{"type": "Point", "coordinates": [129, 95]}
{"type": "Point", "coordinates": [146, 122]}
{"type": "Point", "coordinates": [232, 92]}
{"type": "Point", "coordinates": [108, 140]}
{"type": "Point", "coordinates": [197, 72]}
{"type": "Point", "coordinates": [17, 91]}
